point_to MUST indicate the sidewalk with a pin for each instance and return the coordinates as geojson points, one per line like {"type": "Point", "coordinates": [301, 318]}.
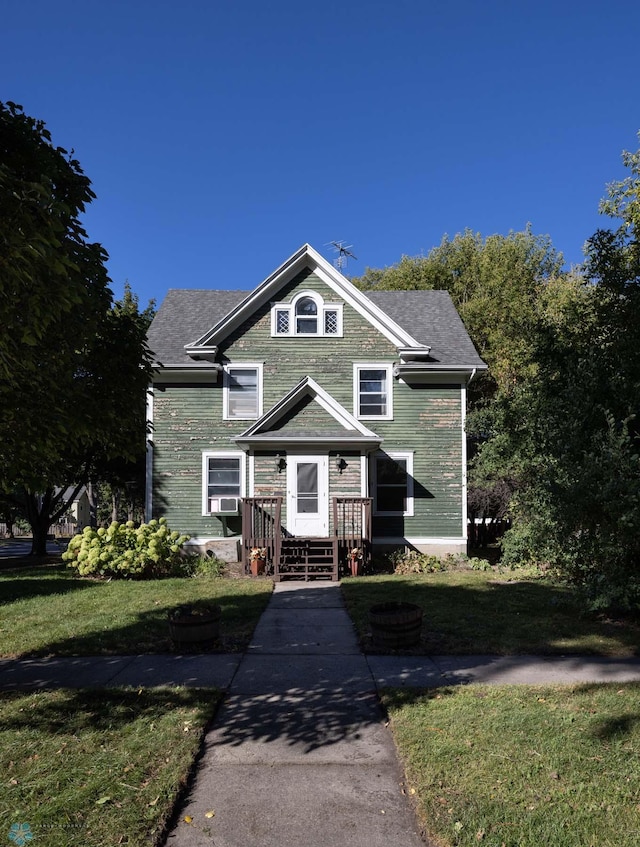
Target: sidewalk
{"type": "Point", "coordinates": [298, 755]}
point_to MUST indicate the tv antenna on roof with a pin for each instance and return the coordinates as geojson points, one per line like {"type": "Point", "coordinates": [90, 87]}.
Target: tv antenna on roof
{"type": "Point", "coordinates": [344, 254]}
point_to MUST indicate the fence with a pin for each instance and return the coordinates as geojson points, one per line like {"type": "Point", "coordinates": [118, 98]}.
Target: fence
{"type": "Point", "coordinates": [66, 529]}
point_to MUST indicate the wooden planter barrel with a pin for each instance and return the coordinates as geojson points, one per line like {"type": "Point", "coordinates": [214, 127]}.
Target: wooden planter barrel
{"type": "Point", "coordinates": [189, 629]}
{"type": "Point", "coordinates": [395, 625]}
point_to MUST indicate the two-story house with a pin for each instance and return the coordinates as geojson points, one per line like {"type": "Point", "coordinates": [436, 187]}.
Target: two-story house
{"type": "Point", "coordinates": [310, 418]}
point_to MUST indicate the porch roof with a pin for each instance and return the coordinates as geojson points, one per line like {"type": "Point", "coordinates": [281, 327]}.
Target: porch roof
{"type": "Point", "coordinates": [341, 426]}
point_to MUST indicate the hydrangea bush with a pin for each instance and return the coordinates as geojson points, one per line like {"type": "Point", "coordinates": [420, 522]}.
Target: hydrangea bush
{"type": "Point", "coordinates": [124, 550]}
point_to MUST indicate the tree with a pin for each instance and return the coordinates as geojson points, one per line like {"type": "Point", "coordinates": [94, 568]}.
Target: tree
{"type": "Point", "coordinates": [580, 508]}
{"type": "Point", "coordinates": [118, 485]}
{"type": "Point", "coordinates": [73, 366]}
{"type": "Point", "coordinates": [497, 283]}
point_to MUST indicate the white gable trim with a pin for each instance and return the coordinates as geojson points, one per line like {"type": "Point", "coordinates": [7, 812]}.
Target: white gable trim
{"type": "Point", "coordinates": [367, 308]}
{"type": "Point", "coordinates": [309, 387]}
{"type": "Point", "coordinates": [306, 257]}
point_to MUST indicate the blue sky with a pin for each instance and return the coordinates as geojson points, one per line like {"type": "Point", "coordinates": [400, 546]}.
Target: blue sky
{"type": "Point", "coordinates": [220, 136]}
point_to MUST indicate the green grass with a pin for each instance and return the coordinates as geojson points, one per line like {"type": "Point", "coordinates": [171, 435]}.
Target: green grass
{"type": "Point", "coordinates": [477, 612]}
{"type": "Point", "coordinates": [98, 767]}
{"type": "Point", "coordinates": [49, 611]}
{"type": "Point", "coordinates": [521, 765]}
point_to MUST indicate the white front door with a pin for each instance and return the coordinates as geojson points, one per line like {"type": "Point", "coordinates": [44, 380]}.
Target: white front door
{"type": "Point", "coordinates": [307, 496]}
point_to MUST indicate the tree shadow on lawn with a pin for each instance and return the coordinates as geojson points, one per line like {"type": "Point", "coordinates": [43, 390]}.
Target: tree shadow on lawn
{"type": "Point", "coordinates": [148, 631]}
{"type": "Point", "coordinates": [18, 584]}
{"type": "Point", "coordinates": [494, 617]}
{"type": "Point", "coordinates": [69, 712]}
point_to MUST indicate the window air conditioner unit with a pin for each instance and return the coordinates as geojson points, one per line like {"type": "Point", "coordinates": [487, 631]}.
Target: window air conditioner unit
{"type": "Point", "coordinates": [224, 505]}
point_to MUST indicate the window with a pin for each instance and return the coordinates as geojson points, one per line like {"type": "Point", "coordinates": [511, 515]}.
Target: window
{"type": "Point", "coordinates": [307, 487]}
{"type": "Point", "coordinates": [242, 392]}
{"type": "Point", "coordinates": [372, 391]}
{"type": "Point", "coordinates": [330, 322]}
{"type": "Point", "coordinates": [307, 314]}
{"type": "Point", "coordinates": [282, 321]}
{"type": "Point", "coordinates": [393, 484]}
{"type": "Point", "coordinates": [223, 481]}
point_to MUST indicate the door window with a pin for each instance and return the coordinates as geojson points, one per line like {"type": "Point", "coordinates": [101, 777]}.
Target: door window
{"type": "Point", "coordinates": [307, 487]}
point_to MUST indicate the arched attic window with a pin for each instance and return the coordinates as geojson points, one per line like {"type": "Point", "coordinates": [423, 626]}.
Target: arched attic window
{"type": "Point", "coordinates": [306, 314]}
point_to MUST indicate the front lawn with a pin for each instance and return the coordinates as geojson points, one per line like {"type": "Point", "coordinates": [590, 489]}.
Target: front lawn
{"type": "Point", "coordinates": [98, 767]}
{"type": "Point", "coordinates": [492, 612]}
{"type": "Point", "coordinates": [50, 611]}
{"type": "Point", "coordinates": [521, 765]}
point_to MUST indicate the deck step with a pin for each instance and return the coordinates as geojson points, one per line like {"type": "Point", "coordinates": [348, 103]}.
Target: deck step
{"type": "Point", "coordinates": [307, 558]}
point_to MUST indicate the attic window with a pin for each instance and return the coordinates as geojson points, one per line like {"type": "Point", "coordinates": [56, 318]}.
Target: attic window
{"type": "Point", "coordinates": [282, 321]}
{"type": "Point", "coordinates": [307, 314]}
{"type": "Point", "coordinates": [306, 317]}
{"type": "Point", "coordinates": [330, 322]}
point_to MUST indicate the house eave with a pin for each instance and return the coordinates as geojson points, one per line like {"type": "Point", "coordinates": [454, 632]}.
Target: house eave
{"type": "Point", "coordinates": [408, 370]}
{"type": "Point", "coordinates": [410, 354]}
{"type": "Point", "coordinates": [204, 353]}
{"type": "Point", "coordinates": [186, 369]}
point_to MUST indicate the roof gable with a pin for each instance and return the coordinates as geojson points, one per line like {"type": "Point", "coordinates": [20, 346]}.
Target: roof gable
{"type": "Point", "coordinates": [305, 257]}
{"type": "Point", "coordinates": [332, 421]}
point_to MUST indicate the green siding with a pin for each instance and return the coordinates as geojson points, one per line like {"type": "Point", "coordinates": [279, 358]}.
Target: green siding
{"type": "Point", "coordinates": [306, 415]}
{"type": "Point", "coordinates": [427, 420]}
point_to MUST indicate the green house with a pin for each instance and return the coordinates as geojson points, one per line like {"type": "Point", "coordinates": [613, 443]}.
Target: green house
{"type": "Point", "coordinates": [310, 419]}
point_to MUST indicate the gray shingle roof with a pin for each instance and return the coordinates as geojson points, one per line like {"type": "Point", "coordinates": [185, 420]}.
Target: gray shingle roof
{"type": "Point", "coordinates": [432, 319]}
{"type": "Point", "coordinates": [184, 316]}
{"type": "Point", "coordinates": [429, 316]}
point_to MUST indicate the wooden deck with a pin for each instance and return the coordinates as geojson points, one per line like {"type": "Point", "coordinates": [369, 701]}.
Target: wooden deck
{"type": "Point", "coordinates": [290, 557]}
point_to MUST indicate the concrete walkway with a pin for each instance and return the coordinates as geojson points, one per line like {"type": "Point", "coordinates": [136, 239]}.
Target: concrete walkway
{"type": "Point", "coordinates": [299, 755]}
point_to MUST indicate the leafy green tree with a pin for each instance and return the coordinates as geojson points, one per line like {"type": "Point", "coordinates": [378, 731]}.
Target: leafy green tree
{"type": "Point", "coordinates": [45, 260]}
{"type": "Point", "coordinates": [73, 366]}
{"type": "Point", "coordinates": [579, 452]}
{"type": "Point", "coordinates": [117, 484]}
{"type": "Point", "coordinates": [497, 283]}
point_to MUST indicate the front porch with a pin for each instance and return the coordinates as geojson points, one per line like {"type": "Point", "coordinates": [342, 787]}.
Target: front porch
{"type": "Point", "coordinates": [295, 557]}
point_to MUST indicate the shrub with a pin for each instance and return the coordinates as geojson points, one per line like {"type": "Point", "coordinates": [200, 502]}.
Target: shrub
{"type": "Point", "coordinates": [203, 566]}
{"type": "Point", "coordinates": [126, 551]}
{"type": "Point", "coordinates": [411, 561]}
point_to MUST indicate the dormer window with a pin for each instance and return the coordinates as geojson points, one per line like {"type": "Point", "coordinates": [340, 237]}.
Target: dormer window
{"type": "Point", "coordinates": [307, 314]}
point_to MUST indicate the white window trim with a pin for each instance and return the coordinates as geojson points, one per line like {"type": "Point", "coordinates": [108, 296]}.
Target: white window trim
{"type": "Point", "coordinates": [322, 308]}
{"type": "Point", "coordinates": [245, 366]}
{"type": "Point", "coordinates": [337, 308]}
{"type": "Point", "coordinates": [395, 454]}
{"type": "Point", "coordinates": [221, 454]}
{"type": "Point", "coordinates": [372, 366]}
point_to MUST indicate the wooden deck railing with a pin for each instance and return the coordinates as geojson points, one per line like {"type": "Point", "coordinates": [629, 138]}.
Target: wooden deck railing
{"type": "Point", "coordinates": [352, 527]}
{"type": "Point", "coordinates": [261, 527]}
